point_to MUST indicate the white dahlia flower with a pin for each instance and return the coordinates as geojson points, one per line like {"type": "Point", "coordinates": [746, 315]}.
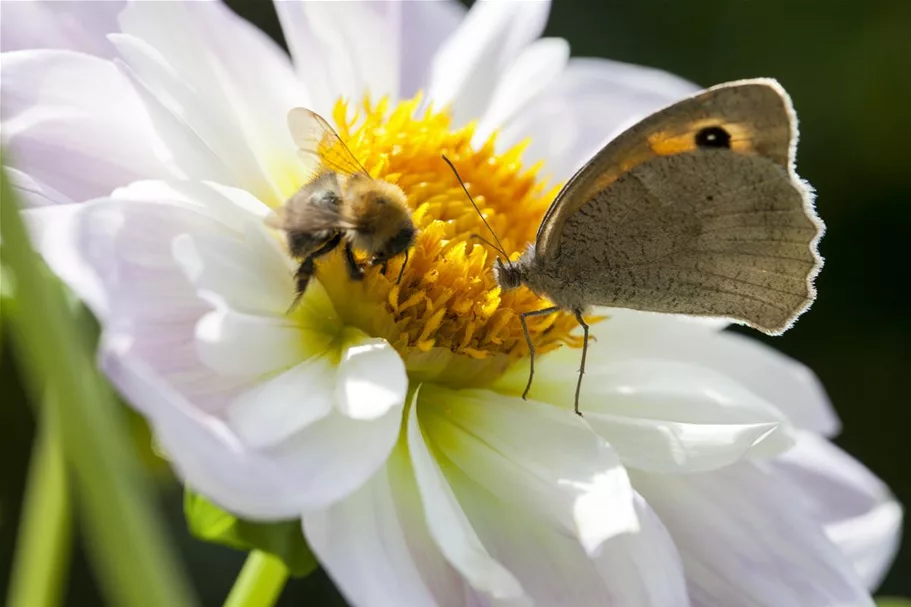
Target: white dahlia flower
{"type": "Point", "coordinates": [386, 416]}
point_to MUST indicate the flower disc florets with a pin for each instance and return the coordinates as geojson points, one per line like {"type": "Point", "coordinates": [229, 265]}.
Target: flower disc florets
{"type": "Point", "coordinates": [447, 318]}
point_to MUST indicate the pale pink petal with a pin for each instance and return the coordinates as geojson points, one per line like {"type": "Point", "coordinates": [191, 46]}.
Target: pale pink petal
{"type": "Point", "coordinates": [321, 464]}
{"type": "Point", "coordinates": [72, 123]}
{"type": "Point", "coordinates": [31, 192]}
{"type": "Point", "coordinates": [632, 570]}
{"type": "Point", "coordinates": [76, 26]}
{"type": "Point", "coordinates": [747, 539]}
{"type": "Point", "coordinates": [859, 513]}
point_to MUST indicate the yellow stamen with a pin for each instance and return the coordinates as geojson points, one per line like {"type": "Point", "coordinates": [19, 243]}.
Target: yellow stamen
{"type": "Point", "coordinates": [448, 318]}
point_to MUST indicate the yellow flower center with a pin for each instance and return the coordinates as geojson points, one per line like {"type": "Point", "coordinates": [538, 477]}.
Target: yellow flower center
{"type": "Point", "coordinates": [447, 318]}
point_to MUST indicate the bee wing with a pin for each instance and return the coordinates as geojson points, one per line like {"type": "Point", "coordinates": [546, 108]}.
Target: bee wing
{"type": "Point", "coordinates": [319, 146]}
{"type": "Point", "coordinates": [320, 218]}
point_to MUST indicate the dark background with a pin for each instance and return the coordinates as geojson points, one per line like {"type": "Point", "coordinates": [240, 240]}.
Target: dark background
{"type": "Point", "coordinates": [847, 66]}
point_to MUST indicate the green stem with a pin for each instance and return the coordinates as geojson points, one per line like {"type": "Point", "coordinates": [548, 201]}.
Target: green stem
{"type": "Point", "coordinates": [44, 544]}
{"type": "Point", "coordinates": [260, 582]}
{"type": "Point", "coordinates": [127, 540]}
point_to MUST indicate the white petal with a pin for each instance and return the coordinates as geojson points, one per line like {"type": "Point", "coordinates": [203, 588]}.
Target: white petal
{"type": "Point", "coordinates": [117, 255]}
{"type": "Point", "coordinates": [666, 446]}
{"type": "Point", "coordinates": [250, 275]}
{"type": "Point", "coordinates": [633, 570]}
{"type": "Point", "coordinates": [75, 26]}
{"type": "Point", "coordinates": [644, 567]}
{"type": "Point", "coordinates": [860, 515]}
{"type": "Point", "coordinates": [468, 66]}
{"type": "Point", "coordinates": [319, 465]}
{"type": "Point", "coordinates": [428, 25]}
{"type": "Point", "coordinates": [31, 192]}
{"type": "Point", "coordinates": [234, 343]}
{"type": "Point", "coordinates": [343, 50]}
{"type": "Point", "coordinates": [195, 126]}
{"type": "Point", "coordinates": [450, 528]}
{"type": "Point", "coordinates": [279, 407]}
{"type": "Point", "coordinates": [661, 415]}
{"type": "Point", "coordinates": [534, 456]}
{"type": "Point", "coordinates": [371, 379]}
{"type": "Point", "coordinates": [242, 78]}
{"type": "Point", "coordinates": [231, 208]}
{"type": "Point", "coordinates": [532, 72]}
{"type": "Point", "coordinates": [376, 547]}
{"type": "Point", "coordinates": [746, 540]}
{"type": "Point", "coordinates": [73, 123]}
{"type": "Point", "coordinates": [604, 97]}
{"type": "Point", "coordinates": [778, 379]}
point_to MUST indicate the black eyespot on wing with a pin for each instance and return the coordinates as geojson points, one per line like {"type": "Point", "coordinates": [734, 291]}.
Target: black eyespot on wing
{"type": "Point", "coordinates": [713, 137]}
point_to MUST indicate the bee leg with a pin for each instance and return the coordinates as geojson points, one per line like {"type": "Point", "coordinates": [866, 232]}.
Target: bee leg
{"type": "Point", "coordinates": [302, 279]}
{"type": "Point", "coordinates": [354, 270]}
{"type": "Point", "coordinates": [402, 269]}
{"type": "Point", "coordinates": [578, 314]}
{"type": "Point", "coordinates": [307, 268]}
{"type": "Point", "coordinates": [531, 346]}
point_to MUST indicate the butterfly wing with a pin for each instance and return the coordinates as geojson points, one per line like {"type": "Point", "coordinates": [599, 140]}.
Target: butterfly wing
{"type": "Point", "coordinates": [319, 146]}
{"type": "Point", "coordinates": [696, 210]}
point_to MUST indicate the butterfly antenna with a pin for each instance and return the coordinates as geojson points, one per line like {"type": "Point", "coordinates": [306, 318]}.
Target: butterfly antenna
{"type": "Point", "coordinates": [499, 246]}
{"type": "Point", "coordinates": [487, 242]}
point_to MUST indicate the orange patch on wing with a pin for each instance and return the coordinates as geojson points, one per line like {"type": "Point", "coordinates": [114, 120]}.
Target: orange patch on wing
{"type": "Point", "coordinates": [664, 143]}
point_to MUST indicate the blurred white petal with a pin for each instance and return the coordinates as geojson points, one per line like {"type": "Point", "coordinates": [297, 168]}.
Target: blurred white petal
{"type": "Point", "coordinates": [746, 539]}
{"type": "Point", "coordinates": [467, 67]}
{"type": "Point", "coordinates": [359, 43]}
{"type": "Point", "coordinates": [50, 24]}
{"type": "Point", "coordinates": [589, 103]}
{"type": "Point", "coordinates": [533, 71]}
{"type": "Point", "coordinates": [859, 513]}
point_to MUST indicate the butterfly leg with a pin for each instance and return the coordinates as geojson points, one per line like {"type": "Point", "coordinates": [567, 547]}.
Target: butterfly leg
{"type": "Point", "coordinates": [578, 314]}
{"type": "Point", "coordinates": [355, 272]}
{"type": "Point", "coordinates": [531, 346]}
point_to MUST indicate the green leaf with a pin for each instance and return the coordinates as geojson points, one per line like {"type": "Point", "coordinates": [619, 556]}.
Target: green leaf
{"type": "Point", "coordinates": [283, 540]}
{"type": "Point", "coordinates": [892, 601]}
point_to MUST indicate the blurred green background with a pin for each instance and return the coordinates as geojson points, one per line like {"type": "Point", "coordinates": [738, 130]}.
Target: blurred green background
{"type": "Point", "coordinates": [847, 66]}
